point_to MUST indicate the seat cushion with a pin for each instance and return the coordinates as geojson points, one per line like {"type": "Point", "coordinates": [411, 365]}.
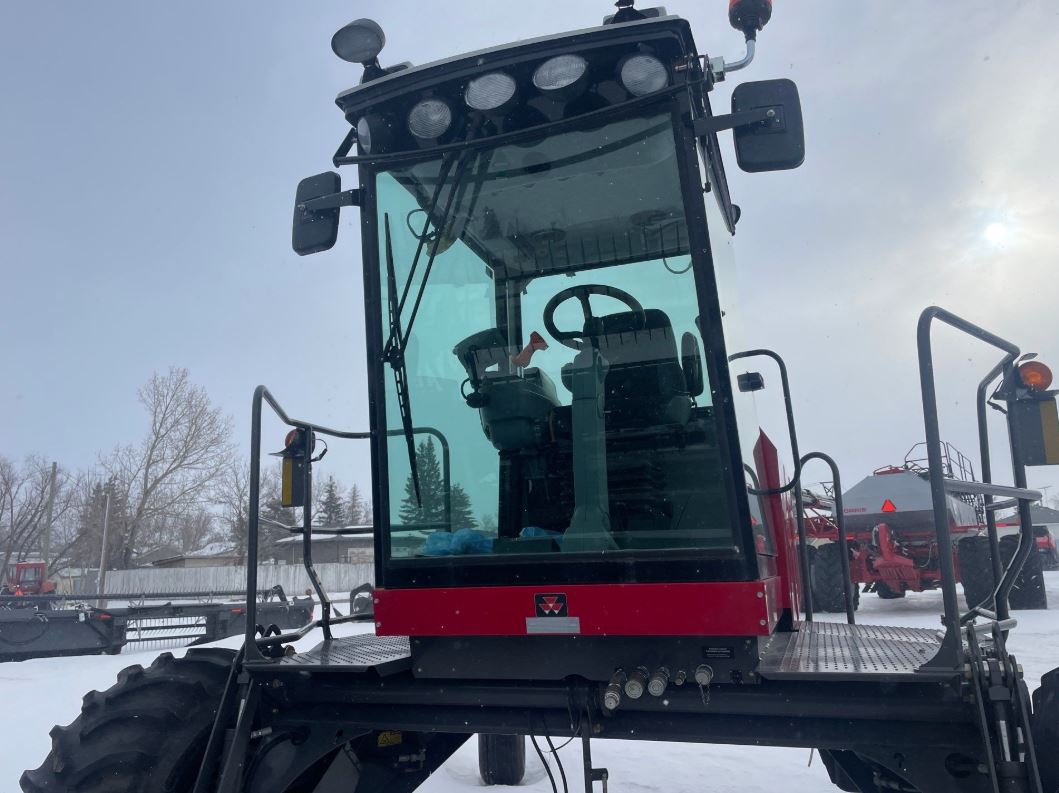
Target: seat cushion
{"type": "Point", "coordinates": [645, 384]}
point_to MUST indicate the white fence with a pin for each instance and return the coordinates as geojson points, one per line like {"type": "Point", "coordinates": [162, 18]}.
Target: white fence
{"type": "Point", "coordinates": [336, 577]}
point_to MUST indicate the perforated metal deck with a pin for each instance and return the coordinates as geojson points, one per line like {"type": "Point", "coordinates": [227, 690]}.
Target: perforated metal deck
{"type": "Point", "coordinates": [366, 652]}
{"type": "Point", "coordinates": [836, 650]}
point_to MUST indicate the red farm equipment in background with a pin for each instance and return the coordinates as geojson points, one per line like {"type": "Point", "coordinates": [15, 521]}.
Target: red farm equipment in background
{"type": "Point", "coordinates": [893, 547]}
{"type": "Point", "coordinates": [28, 578]}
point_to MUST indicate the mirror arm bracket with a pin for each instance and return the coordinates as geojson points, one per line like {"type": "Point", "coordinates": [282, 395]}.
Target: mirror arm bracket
{"type": "Point", "coordinates": [347, 198]}
{"type": "Point", "coordinates": [770, 116]}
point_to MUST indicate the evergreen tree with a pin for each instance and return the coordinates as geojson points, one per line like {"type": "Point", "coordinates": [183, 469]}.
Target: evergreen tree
{"type": "Point", "coordinates": [356, 508]}
{"type": "Point", "coordinates": [90, 525]}
{"type": "Point", "coordinates": [462, 516]}
{"type": "Point", "coordinates": [430, 508]}
{"type": "Point", "coordinates": [332, 511]}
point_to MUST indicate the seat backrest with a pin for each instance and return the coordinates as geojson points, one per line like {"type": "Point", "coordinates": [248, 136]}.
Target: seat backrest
{"type": "Point", "coordinates": [645, 384]}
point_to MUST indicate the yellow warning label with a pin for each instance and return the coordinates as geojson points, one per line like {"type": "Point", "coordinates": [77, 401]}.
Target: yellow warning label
{"type": "Point", "coordinates": [389, 738]}
{"type": "Point", "coordinates": [1050, 428]}
{"type": "Point", "coordinates": [286, 497]}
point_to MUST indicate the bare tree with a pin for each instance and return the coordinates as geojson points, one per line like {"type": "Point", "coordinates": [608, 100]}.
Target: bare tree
{"type": "Point", "coordinates": [24, 492]}
{"type": "Point", "coordinates": [232, 498]}
{"type": "Point", "coordinates": [173, 468]}
{"type": "Point", "coordinates": [231, 494]}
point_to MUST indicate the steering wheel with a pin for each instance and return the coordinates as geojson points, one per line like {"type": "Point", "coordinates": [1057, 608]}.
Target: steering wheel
{"type": "Point", "coordinates": [574, 339]}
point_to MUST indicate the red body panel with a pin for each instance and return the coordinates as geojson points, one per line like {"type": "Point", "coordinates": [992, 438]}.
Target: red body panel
{"type": "Point", "coordinates": [781, 524]}
{"type": "Point", "coordinates": [730, 608]}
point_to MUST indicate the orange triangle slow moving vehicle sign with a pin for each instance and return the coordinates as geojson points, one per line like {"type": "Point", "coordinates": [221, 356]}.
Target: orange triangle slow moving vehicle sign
{"type": "Point", "coordinates": [888, 506]}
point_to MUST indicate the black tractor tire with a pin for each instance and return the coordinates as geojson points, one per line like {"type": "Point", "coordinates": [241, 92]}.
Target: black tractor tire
{"type": "Point", "coordinates": [882, 589]}
{"type": "Point", "coordinates": [1050, 560]}
{"type": "Point", "coordinates": [1028, 592]}
{"type": "Point", "coordinates": [826, 578]}
{"type": "Point", "coordinates": [976, 571]}
{"type": "Point", "coordinates": [145, 734]}
{"type": "Point", "coordinates": [1045, 725]}
{"type": "Point", "coordinates": [501, 759]}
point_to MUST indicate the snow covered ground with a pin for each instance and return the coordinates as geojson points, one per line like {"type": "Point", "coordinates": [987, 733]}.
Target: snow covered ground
{"type": "Point", "coordinates": [37, 694]}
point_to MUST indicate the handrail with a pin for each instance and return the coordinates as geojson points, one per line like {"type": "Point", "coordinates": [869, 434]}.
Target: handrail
{"type": "Point", "coordinates": [263, 395]}
{"type": "Point", "coordinates": [995, 563]}
{"type": "Point", "coordinates": [950, 655]}
{"type": "Point", "coordinates": [1003, 578]}
{"type": "Point", "coordinates": [791, 430]}
{"type": "Point", "coordinates": [840, 523]}
{"type": "Point", "coordinates": [989, 489]}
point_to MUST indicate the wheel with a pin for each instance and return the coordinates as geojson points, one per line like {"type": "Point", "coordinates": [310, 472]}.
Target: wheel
{"type": "Point", "coordinates": [825, 575]}
{"type": "Point", "coordinates": [1028, 591]}
{"type": "Point", "coordinates": [1051, 560]}
{"type": "Point", "coordinates": [145, 734]}
{"type": "Point", "coordinates": [1045, 725]}
{"type": "Point", "coordinates": [502, 759]}
{"type": "Point", "coordinates": [884, 591]}
{"type": "Point", "coordinates": [976, 571]}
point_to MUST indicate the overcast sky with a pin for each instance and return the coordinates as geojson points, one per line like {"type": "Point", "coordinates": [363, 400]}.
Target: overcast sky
{"type": "Point", "coordinates": [149, 154]}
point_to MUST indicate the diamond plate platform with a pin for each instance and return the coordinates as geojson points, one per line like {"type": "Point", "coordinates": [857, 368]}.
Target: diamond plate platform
{"type": "Point", "coordinates": [385, 655]}
{"type": "Point", "coordinates": [838, 651]}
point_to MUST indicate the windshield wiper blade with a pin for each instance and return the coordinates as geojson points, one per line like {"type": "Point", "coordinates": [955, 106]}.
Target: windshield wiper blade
{"type": "Point", "coordinates": [394, 349]}
{"type": "Point", "coordinates": [441, 224]}
{"type": "Point", "coordinates": [395, 357]}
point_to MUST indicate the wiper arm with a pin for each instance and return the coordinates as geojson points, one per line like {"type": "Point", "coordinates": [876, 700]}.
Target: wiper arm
{"type": "Point", "coordinates": [441, 224]}
{"type": "Point", "coordinates": [394, 355]}
{"type": "Point", "coordinates": [394, 349]}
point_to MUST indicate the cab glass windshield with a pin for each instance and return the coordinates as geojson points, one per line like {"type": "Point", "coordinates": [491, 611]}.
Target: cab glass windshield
{"type": "Point", "coordinates": [546, 389]}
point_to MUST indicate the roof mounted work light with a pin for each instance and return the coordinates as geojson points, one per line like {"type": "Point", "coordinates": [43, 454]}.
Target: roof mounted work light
{"type": "Point", "coordinates": [361, 41]}
{"type": "Point", "coordinates": [430, 119]}
{"type": "Point", "coordinates": [561, 76]}
{"type": "Point", "coordinates": [643, 74]}
{"type": "Point", "coordinates": [491, 91]}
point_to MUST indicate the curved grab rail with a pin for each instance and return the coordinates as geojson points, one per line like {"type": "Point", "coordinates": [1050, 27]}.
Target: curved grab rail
{"type": "Point", "coordinates": [776, 491]}
{"type": "Point", "coordinates": [840, 523]}
{"type": "Point", "coordinates": [951, 653]}
{"type": "Point", "coordinates": [263, 396]}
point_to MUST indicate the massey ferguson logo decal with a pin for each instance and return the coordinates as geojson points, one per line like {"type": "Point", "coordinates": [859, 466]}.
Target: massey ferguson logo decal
{"type": "Point", "coordinates": [553, 605]}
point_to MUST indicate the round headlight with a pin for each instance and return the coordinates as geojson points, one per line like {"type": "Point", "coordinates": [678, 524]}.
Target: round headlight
{"type": "Point", "coordinates": [430, 119]}
{"type": "Point", "coordinates": [364, 135]}
{"type": "Point", "coordinates": [644, 74]}
{"type": "Point", "coordinates": [489, 91]}
{"type": "Point", "coordinates": [559, 72]}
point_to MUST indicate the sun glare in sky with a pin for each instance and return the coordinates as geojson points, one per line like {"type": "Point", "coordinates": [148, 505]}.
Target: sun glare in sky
{"type": "Point", "coordinates": [996, 233]}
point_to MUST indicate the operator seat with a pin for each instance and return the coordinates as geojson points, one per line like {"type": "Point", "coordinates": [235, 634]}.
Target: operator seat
{"type": "Point", "coordinates": [645, 384]}
{"type": "Point", "coordinates": [514, 405]}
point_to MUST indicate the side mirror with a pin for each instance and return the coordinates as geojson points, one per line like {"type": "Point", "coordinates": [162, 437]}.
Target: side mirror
{"type": "Point", "coordinates": [316, 206]}
{"type": "Point", "coordinates": [778, 143]}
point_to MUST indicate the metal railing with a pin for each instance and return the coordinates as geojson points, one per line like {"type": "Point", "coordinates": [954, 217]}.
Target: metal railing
{"type": "Point", "coordinates": [840, 523]}
{"type": "Point", "coordinates": [252, 642]}
{"type": "Point", "coordinates": [804, 564]}
{"type": "Point", "coordinates": [951, 653]}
